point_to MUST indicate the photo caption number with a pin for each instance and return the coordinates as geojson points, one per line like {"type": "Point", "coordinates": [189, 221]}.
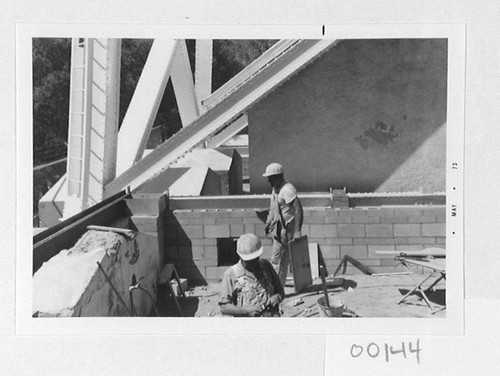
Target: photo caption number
{"type": "Point", "coordinates": [373, 350]}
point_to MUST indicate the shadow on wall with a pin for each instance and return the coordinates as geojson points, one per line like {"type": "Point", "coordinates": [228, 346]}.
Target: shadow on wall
{"type": "Point", "coordinates": [179, 251]}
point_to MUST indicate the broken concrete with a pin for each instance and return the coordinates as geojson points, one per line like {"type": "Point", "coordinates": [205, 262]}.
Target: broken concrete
{"type": "Point", "coordinates": [72, 284]}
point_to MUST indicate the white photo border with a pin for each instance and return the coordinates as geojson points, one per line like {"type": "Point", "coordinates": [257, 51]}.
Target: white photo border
{"type": "Point", "coordinates": [452, 324]}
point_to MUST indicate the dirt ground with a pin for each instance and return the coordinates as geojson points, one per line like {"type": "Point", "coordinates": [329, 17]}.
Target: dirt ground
{"type": "Point", "coordinates": [362, 295]}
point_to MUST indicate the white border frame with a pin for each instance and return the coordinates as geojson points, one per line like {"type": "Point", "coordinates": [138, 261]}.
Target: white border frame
{"type": "Point", "coordinates": [451, 325]}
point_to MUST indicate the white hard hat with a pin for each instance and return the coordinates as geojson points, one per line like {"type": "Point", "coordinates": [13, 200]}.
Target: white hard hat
{"type": "Point", "coordinates": [273, 169]}
{"type": "Point", "coordinates": [249, 247]}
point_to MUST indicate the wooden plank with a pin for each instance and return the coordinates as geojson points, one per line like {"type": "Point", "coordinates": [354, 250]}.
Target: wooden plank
{"type": "Point", "coordinates": [434, 252]}
{"type": "Point", "coordinates": [313, 258]}
{"type": "Point", "coordinates": [301, 266]}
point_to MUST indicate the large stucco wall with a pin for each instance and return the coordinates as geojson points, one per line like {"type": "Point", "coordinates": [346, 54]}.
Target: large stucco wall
{"type": "Point", "coordinates": [368, 115]}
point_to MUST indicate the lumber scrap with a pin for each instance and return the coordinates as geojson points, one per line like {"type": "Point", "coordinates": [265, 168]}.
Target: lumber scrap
{"type": "Point", "coordinates": [358, 265]}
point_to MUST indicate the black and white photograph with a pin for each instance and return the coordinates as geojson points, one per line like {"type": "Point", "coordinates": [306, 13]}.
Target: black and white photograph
{"type": "Point", "coordinates": [258, 178]}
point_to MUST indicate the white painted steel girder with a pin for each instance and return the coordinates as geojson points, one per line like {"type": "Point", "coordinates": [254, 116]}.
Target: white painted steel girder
{"type": "Point", "coordinates": [80, 105]}
{"type": "Point", "coordinates": [182, 81]}
{"type": "Point", "coordinates": [231, 106]}
{"type": "Point", "coordinates": [228, 132]}
{"type": "Point", "coordinates": [203, 71]}
{"type": "Point", "coordinates": [249, 71]}
{"type": "Point", "coordinates": [93, 123]}
{"type": "Point", "coordinates": [143, 107]}
{"type": "Point", "coordinates": [105, 99]}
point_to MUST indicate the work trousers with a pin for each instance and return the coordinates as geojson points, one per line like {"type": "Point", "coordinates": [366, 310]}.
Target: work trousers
{"type": "Point", "coordinates": [280, 259]}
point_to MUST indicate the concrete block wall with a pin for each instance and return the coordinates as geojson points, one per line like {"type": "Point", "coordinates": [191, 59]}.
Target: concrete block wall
{"type": "Point", "coordinates": [191, 235]}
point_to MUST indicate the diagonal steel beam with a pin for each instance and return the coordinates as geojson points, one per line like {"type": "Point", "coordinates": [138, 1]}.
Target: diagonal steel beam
{"type": "Point", "coordinates": [142, 110]}
{"type": "Point", "coordinates": [228, 132]}
{"type": "Point", "coordinates": [182, 81]}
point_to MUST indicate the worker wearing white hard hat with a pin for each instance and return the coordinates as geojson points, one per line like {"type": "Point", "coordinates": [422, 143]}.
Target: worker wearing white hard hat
{"type": "Point", "coordinates": [284, 222]}
{"type": "Point", "coordinates": [251, 287]}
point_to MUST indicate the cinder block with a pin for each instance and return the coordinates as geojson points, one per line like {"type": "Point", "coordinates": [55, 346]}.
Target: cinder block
{"type": "Point", "coordinates": [440, 240]}
{"type": "Point", "coordinates": [323, 231]}
{"type": "Point", "coordinates": [422, 240]}
{"type": "Point", "coordinates": [249, 229]}
{"type": "Point", "coordinates": [422, 219]}
{"type": "Point", "coordinates": [216, 231]}
{"type": "Point", "coordinates": [408, 212]}
{"type": "Point", "coordinates": [215, 273]}
{"type": "Point", "coordinates": [186, 214]}
{"type": "Point", "coordinates": [204, 242]}
{"type": "Point", "coordinates": [227, 221]}
{"type": "Point", "coordinates": [338, 219]}
{"type": "Point", "coordinates": [210, 253]}
{"type": "Point", "coordinates": [185, 221]}
{"type": "Point", "coordinates": [193, 232]}
{"type": "Point", "coordinates": [351, 230]}
{"type": "Point", "coordinates": [394, 219]}
{"type": "Point", "coordinates": [433, 229]}
{"type": "Point", "coordinates": [314, 220]}
{"type": "Point", "coordinates": [202, 221]}
{"type": "Point", "coordinates": [198, 252]}
{"type": "Point", "coordinates": [357, 212]}
{"type": "Point", "coordinates": [372, 251]}
{"type": "Point", "coordinates": [365, 219]}
{"type": "Point", "coordinates": [338, 241]}
{"type": "Point", "coordinates": [236, 230]}
{"type": "Point", "coordinates": [387, 212]}
{"type": "Point", "coordinates": [320, 241]}
{"type": "Point", "coordinates": [434, 210]}
{"type": "Point", "coordinates": [357, 251]}
{"type": "Point", "coordinates": [330, 251]}
{"type": "Point", "coordinates": [407, 230]}
{"type": "Point", "coordinates": [251, 220]}
{"type": "Point", "coordinates": [379, 231]}
{"type": "Point", "coordinates": [260, 229]}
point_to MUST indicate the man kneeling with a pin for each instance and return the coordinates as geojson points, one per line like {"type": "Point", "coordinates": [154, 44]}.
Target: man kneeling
{"type": "Point", "coordinates": [251, 287]}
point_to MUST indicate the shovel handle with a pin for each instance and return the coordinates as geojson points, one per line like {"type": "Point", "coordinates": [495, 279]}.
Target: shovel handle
{"type": "Point", "coordinates": [325, 289]}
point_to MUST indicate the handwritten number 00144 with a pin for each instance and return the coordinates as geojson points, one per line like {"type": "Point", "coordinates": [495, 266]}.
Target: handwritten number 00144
{"type": "Point", "coordinates": [373, 350]}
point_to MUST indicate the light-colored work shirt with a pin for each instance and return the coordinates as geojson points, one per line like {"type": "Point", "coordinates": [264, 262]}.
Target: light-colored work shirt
{"type": "Point", "coordinates": [242, 287]}
{"type": "Point", "coordinates": [283, 196]}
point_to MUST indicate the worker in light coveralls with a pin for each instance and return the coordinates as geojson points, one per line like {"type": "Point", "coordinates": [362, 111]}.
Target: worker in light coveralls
{"type": "Point", "coordinates": [251, 287]}
{"type": "Point", "coordinates": [284, 222]}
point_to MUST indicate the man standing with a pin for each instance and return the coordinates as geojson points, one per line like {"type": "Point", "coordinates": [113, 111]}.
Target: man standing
{"type": "Point", "coordinates": [284, 220]}
{"type": "Point", "coordinates": [251, 287]}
